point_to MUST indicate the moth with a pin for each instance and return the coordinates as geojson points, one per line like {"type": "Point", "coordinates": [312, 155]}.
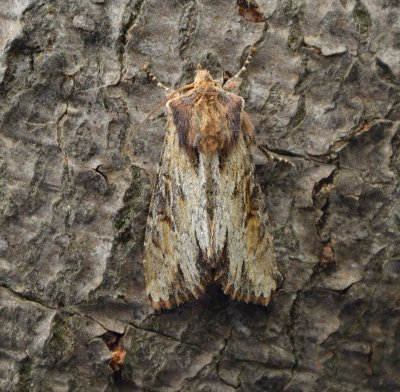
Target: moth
{"type": "Point", "coordinates": [207, 220]}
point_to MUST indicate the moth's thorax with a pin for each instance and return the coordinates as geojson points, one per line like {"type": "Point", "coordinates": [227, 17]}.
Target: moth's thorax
{"type": "Point", "coordinates": [206, 116]}
{"type": "Point", "coordinates": [210, 121]}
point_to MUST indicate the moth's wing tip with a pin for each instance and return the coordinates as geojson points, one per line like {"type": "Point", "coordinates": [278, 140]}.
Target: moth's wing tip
{"type": "Point", "coordinates": [198, 290]}
{"type": "Point", "coordinates": [246, 296]}
{"type": "Point", "coordinates": [256, 300]}
{"type": "Point", "coordinates": [159, 305]}
{"type": "Point", "coordinates": [264, 300]}
{"type": "Point", "coordinates": [177, 300]}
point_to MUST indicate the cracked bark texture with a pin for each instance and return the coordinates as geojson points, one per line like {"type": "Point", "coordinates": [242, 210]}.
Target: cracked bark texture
{"type": "Point", "coordinates": [323, 90]}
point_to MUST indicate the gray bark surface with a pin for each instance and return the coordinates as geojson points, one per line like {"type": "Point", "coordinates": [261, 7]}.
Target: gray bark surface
{"type": "Point", "coordinates": [323, 91]}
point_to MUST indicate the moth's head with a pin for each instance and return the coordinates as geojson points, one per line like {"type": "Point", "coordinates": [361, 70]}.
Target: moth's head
{"type": "Point", "coordinates": [202, 75]}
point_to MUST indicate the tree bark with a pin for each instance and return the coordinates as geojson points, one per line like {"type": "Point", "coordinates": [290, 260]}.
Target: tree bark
{"type": "Point", "coordinates": [322, 90]}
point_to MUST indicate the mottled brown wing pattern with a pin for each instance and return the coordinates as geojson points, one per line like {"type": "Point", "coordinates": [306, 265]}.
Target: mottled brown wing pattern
{"type": "Point", "coordinates": [251, 274]}
{"type": "Point", "coordinates": [207, 218]}
{"type": "Point", "coordinates": [173, 244]}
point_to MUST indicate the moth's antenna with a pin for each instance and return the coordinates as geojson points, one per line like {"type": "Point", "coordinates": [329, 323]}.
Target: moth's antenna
{"type": "Point", "coordinates": [246, 62]}
{"type": "Point", "coordinates": [170, 94]}
{"type": "Point", "coordinates": [235, 81]}
{"type": "Point", "coordinates": [154, 78]}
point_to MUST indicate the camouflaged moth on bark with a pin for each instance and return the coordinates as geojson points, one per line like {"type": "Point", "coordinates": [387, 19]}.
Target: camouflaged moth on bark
{"type": "Point", "coordinates": [207, 221]}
